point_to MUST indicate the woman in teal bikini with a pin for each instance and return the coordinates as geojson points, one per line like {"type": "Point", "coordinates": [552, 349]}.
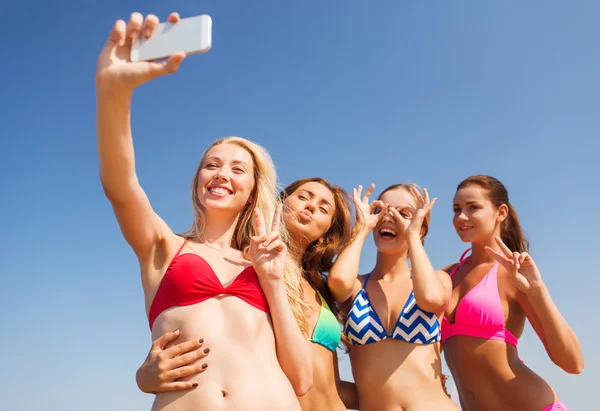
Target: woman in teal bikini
{"type": "Point", "coordinates": [318, 219]}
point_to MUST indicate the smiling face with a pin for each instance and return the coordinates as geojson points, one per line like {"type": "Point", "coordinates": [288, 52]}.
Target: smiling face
{"type": "Point", "coordinates": [387, 238]}
{"type": "Point", "coordinates": [226, 179]}
{"type": "Point", "coordinates": [309, 211]}
{"type": "Point", "coordinates": [476, 218]}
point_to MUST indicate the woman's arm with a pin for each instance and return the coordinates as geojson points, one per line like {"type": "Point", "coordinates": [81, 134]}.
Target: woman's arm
{"type": "Point", "coordinates": [559, 339]}
{"type": "Point", "coordinates": [116, 78]}
{"type": "Point", "coordinates": [269, 257]}
{"type": "Point", "coordinates": [343, 275]}
{"type": "Point", "coordinates": [432, 288]}
{"type": "Point", "coordinates": [562, 345]}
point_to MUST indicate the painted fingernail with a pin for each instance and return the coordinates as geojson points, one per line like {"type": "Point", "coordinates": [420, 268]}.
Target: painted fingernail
{"type": "Point", "coordinates": [206, 350]}
{"type": "Point", "coordinates": [195, 384]}
{"type": "Point", "coordinates": [204, 366]}
{"type": "Point", "coordinates": [201, 340]}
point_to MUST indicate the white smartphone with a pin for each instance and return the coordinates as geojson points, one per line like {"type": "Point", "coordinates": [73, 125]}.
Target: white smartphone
{"type": "Point", "coordinates": [190, 35]}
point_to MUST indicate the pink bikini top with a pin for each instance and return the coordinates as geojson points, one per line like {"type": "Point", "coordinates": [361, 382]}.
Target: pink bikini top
{"type": "Point", "coordinates": [479, 313]}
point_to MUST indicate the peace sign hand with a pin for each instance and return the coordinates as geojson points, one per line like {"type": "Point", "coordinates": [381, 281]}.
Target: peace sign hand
{"type": "Point", "coordinates": [411, 220]}
{"type": "Point", "coordinates": [267, 251]}
{"type": "Point", "coordinates": [521, 266]}
{"type": "Point", "coordinates": [366, 220]}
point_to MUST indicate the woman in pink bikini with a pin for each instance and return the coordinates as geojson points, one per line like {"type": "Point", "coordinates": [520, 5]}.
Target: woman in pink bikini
{"type": "Point", "coordinates": [494, 290]}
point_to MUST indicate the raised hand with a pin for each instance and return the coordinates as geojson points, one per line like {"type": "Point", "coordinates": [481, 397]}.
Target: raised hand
{"type": "Point", "coordinates": [115, 68]}
{"type": "Point", "coordinates": [267, 252]}
{"type": "Point", "coordinates": [367, 219]}
{"type": "Point", "coordinates": [521, 266]}
{"type": "Point", "coordinates": [410, 220]}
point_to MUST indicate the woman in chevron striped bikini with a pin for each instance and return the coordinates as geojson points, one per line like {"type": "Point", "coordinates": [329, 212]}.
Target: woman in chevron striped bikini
{"type": "Point", "coordinates": [393, 313]}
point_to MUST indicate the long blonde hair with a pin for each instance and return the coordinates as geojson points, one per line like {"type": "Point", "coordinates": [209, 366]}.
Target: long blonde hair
{"type": "Point", "coordinates": [263, 197]}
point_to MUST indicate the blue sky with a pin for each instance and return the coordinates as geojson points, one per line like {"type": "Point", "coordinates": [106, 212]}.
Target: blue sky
{"type": "Point", "coordinates": [357, 92]}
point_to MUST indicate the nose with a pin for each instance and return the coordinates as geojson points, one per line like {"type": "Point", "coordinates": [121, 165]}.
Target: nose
{"type": "Point", "coordinates": [388, 218]}
{"type": "Point", "coordinates": [310, 207]}
{"type": "Point", "coordinates": [220, 176]}
{"type": "Point", "coordinates": [461, 217]}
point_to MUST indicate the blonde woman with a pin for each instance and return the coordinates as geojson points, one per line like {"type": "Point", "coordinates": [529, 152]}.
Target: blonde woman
{"type": "Point", "coordinates": [228, 280]}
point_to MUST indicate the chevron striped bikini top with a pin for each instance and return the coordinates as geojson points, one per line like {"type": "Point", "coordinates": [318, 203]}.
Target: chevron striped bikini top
{"type": "Point", "coordinates": [414, 325]}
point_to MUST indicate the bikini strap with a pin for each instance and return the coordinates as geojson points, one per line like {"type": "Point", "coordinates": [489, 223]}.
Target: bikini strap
{"type": "Point", "coordinates": [366, 281]}
{"type": "Point", "coordinates": [460, 262]}
{"type": "Point", "coordinates": [185, 240]}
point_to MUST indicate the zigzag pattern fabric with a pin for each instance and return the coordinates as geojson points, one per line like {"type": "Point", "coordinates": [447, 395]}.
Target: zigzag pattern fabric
{"type": "Point", "coordinates": [414, 325]}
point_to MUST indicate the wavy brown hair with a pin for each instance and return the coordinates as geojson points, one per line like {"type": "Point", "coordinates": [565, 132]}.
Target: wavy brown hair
{"type": "Point", "coordinates": [319, 256]}
{"type": "Point", "coordinates": [510, 231]}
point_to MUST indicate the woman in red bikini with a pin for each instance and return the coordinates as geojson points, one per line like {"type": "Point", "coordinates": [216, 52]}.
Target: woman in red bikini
{"type": "Point", "coordinates": [318, 218]}
{"type": "Point", "coordinates": [229, 279]}
{"type": "Point", "coordinates": [494, 290]}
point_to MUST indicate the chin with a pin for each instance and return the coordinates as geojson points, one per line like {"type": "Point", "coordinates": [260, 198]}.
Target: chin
{"type": "Point", "coordinates": [388, 248]}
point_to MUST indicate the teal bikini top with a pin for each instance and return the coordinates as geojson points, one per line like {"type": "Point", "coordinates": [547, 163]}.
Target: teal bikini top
{"type": "Point", "coordinates": [327, 331]}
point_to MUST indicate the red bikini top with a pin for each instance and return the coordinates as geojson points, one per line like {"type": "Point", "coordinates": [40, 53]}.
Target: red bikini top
{"type": "Point", "coordinates": [190, 279]}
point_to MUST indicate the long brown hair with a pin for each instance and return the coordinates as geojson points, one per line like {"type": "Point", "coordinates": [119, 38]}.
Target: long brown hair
{"type": "Point", "coordinates": [510, 230]}
{"type": "Point", "coordinates": [319, 256]}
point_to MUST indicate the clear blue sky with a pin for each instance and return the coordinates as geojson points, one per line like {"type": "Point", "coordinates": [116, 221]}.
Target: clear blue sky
{"type": "Point", "coordinates": [354, 91]}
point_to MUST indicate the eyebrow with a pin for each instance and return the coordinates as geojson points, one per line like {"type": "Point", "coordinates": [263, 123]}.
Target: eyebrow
{"type": "Point", "coordinates": [215, 158]}
{"type": "Point", "coordinates": [311, 194]}
{"type": "Point", "coordinates": [468, 203]}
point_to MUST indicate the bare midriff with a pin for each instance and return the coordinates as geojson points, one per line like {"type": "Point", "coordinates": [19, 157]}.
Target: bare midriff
{"type": "Point", "coordinates": [394, 375]}
{"type": "Point", "coordinates": [490, 376]}
{"type": "Point", "coordinates": [243, 372]}
{"type": "Point", "coordinates": [324, 393]}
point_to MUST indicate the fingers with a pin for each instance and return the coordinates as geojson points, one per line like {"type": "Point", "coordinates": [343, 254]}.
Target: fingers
{"type": "Point", "coordinates": [516, 256]}
{"type": "Point", "coordinates": [173, 18]}
{"type": "Point", "coordinates": [182, 372]}
{"type": "Point", "coordinates": [397, 216]}
{"type": "Point", "coordinates": [134, 26]}
{"type": "Point", "coordinates": [523, 257]}
{"type": "Point", "coordinates": [180, 349]}
{"type": "Point", "coordinates": [117, 34]}
{"type": "Point", "coordinates": [432, 203]}
{"type": "Point", "coordinates": [365, 198]}
{"type": "Point", "coordinates": [275, 245]}
{"type": "Point", "coordinates": [150, 25]}
{"type": "Point", "coordinates": [179, 386]}
{"type": "Point", "coordinates": [161, 342]}
{"type": "Point", "coordinates": [506, 263]}
{"type": "Point", "coordinates": [503, 246]}
{"type": "Point", "coordinates": [417, 194]}
{"type": "Point", "coordinates": [276, 218]}
{"type": "Point", "coordinates": [377, 204]}
{"type": "Point", "coordinates": [258, 223]}
{"type": "Point", "coordinates": [189, 357]}
{"type": "Point", "coordinates": [426, 195]}
{"type": "Point", "coordinates": [273, 236]}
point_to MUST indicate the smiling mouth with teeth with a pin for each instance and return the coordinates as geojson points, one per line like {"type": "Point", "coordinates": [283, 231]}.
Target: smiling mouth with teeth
{"type": "Point", "coordinates": [388, 233]}
{"type": "Point", "coordinates": [219, 190]}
